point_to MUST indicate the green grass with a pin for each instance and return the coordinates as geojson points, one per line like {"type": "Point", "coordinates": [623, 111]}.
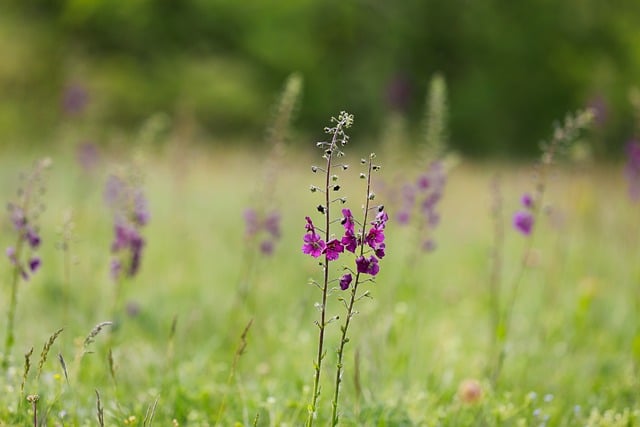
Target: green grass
{"type": "Point", "coordinates": [424, 332]}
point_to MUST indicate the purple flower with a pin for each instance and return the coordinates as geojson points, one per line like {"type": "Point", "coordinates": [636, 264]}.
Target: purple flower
{"type": "Point", "coordinates": [309, 225]}
{"type": "Point", "coordinates": [632, 170]}
{"type": "Point", "coordinates": [374, 237]}
{"type": "Point", "coordinates": [272, 224]}
{"type": "Point", "coordinates": [88, 156]}
{"type": "Point", "coordinates": [34, 264]}
{"type": "Point", "coordinates": [381, 219]}
{"type": "Point", "coordinates": [379, 251]}
{"type": "Point", "coordinates": [251, 222]}
{"type": "Point", "coordinates": [266, 247]}
{"type": "Point", "coordinates": [350, 241]}
{"type": "Point", "coordinates": [113, 191]}
{"type": "Point", "coordinates": [313, 245]}
{"type": "Point", "coordinates": [18, 218]}
{"type": "Point", "coordinates": [398, 92]}
{"type": "Point", "coordinates": [348, 221]}
{"type": "Point", "coordinates": [11, 254]}
{"type": "Point", "coordinates": [32, 238]}
{"type": "Point", "coordinates": [333, 249]}
{"type": "Point", "coordinates": [140, 210]}
{"type": "Point", "coordinates": [345, 281]}
{"type": "Point", "coordinates": [429, 245]}
{"type": "Point", "coordinates": [523, 222]}
{"type": "Point", "coordinates": [403, 217]}
{"type": "Point", "coordinates": [75, 99]}
{"type": "Point", "coordinates": [423, 182]}
{"type": "Point", "coordinates": [367, 266]}
{"type": "Point", "coordinates": [527, 201]}
{"type": "Point", "coordinates": [116, 268]}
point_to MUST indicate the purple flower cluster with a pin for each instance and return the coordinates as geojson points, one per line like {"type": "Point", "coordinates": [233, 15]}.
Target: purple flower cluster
{"type": "Point", "coordinates": [523, 219]}
{"type": "Point", "coordinates": [27, 233]}
{"type": "Point", "coordinates": [366, 240]}
{"type": "Point", "coordinates": [632, 169]}
{"type": "Point", "coordinates": [424, 195]}
{"type": "Point", "coordinates": [131, 213]}
{"type": "Point", "coordinates": [266, 226]}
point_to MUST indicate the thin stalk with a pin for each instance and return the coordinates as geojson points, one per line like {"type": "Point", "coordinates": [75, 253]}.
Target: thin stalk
{"type": "Point", "coordinates": [350, 312]}
{"type": "Point", "coordinates": [325, 285]}
{"type": "Point", "coordinates": [13, 302]}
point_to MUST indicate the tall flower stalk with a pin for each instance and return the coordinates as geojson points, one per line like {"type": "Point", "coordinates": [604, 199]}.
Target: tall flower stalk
{"type": "Point", "coordinates": [24, 214]}
{"type": "Point", "coordinates": [262, 218]}
{"type": "Point", "coordinates": [315, 246]}
{"type": "Point", "coordinates": [364, 240]}
{"type": "Point", "coordinates": [371, 240]}
{"type": "Point", "coordinates": [525, 221]}
{"type": "Point", "coordinates": [128, 203]}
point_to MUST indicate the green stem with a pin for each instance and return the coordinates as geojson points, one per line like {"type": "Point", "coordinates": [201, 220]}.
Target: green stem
{"type": "Point", "coordinates": [350, 312]}
{"type": "Point", "coordinates": [13, 303]}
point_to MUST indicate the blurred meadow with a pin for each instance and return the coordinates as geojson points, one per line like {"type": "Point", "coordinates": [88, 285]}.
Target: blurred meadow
{"type": "Point", "coordinates": [158, 160]}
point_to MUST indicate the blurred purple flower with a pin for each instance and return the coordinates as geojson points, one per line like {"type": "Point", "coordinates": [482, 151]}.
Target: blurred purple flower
{"type": "Point", "coordinates": [269, 226]}
{"type": "Point", "coordinates": [403, 217]}
{"type": "Point", "coordinates": [130, 214]}
{"type": "Point", "coordinates": [34, 264]}
{"type": "Point", "coordinates": [632, 169]}
{"type": "Point", "coordinates": [527, 201]}
{"type": "Point", "coordinates": [88, 156]}
{"type": "Point", "coordinates": [113, 191]}
{"type": "Point", "coordinates": [140, 208]}
{"type": "Point", "coordinates": [251, 222]}
{"type": "Point", "coordinates": [523, 222]}
{"type": "Point", "coordinates": [272, 224]}
{"type": "Point", "coordinates": [423, 196]}
{"type": "Point", "coordinates": [266, 247]}
{"type": "Point", "coordinates": [74, 99]}
{"type": "Point", "coordinates": [398, 93]}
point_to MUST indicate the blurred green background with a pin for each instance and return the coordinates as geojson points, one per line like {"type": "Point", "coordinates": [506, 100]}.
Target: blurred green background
{"type": "Point", "coordinates": [217, 65]}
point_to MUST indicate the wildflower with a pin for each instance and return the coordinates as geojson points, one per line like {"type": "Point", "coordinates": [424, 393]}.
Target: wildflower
{"type": "Point", "coordinates": [423, 195]}
{"type": "Point", "coordinates": [34, 264]}
{"type": "Point", "coordinates": [345, 281]}
{"type": "Point", "coordinates": [251, 222]}
{"type": "Point", "coordinates": [470, 391]}
{"type": "Point", "coordinates": [350, 241]}
{"type": "Point", "coordinates": [313, 245]}
{"type": "Point", "coordinates": [632, 170]}
{"type": "Point", "coordinates": [266, 247]}
{"type": "Point", "coordinates": [347, 220]}
{"type": "Point", "coordinates": [374, 237]}
{"type": "Point", "coordinates": [527, 201]}
{"type": "Point", "coordinates": [379, 251]}
{"type": "Point", "coordinates": [272, 224]}
{"type": "Point", "coordinates": [33, 238]}
{"type": "Point", "coordinates": [523, 222]}
{"type": "Point", "coordinates": [333, 249]}
{"type": "Point", "coordinates": [88, 156]}
{"type": "Point", "coordinates": [140, 209]}
{"type": "Point", "coordinates": [130, 213]}
{"type": "Point", "coordinates": [367, 266]}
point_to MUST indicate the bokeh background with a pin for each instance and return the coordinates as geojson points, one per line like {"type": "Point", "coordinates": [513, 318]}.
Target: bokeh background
{"type": "Point", "coordinates": [214, 67]}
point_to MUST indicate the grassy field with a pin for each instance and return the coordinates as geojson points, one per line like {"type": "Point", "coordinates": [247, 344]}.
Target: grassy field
{"type": "Point", "coordinates": [170, 359]}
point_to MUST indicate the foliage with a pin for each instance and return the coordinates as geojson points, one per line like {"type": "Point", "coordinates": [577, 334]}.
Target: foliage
{"type": "Point", "coordinates": [511, 68]}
